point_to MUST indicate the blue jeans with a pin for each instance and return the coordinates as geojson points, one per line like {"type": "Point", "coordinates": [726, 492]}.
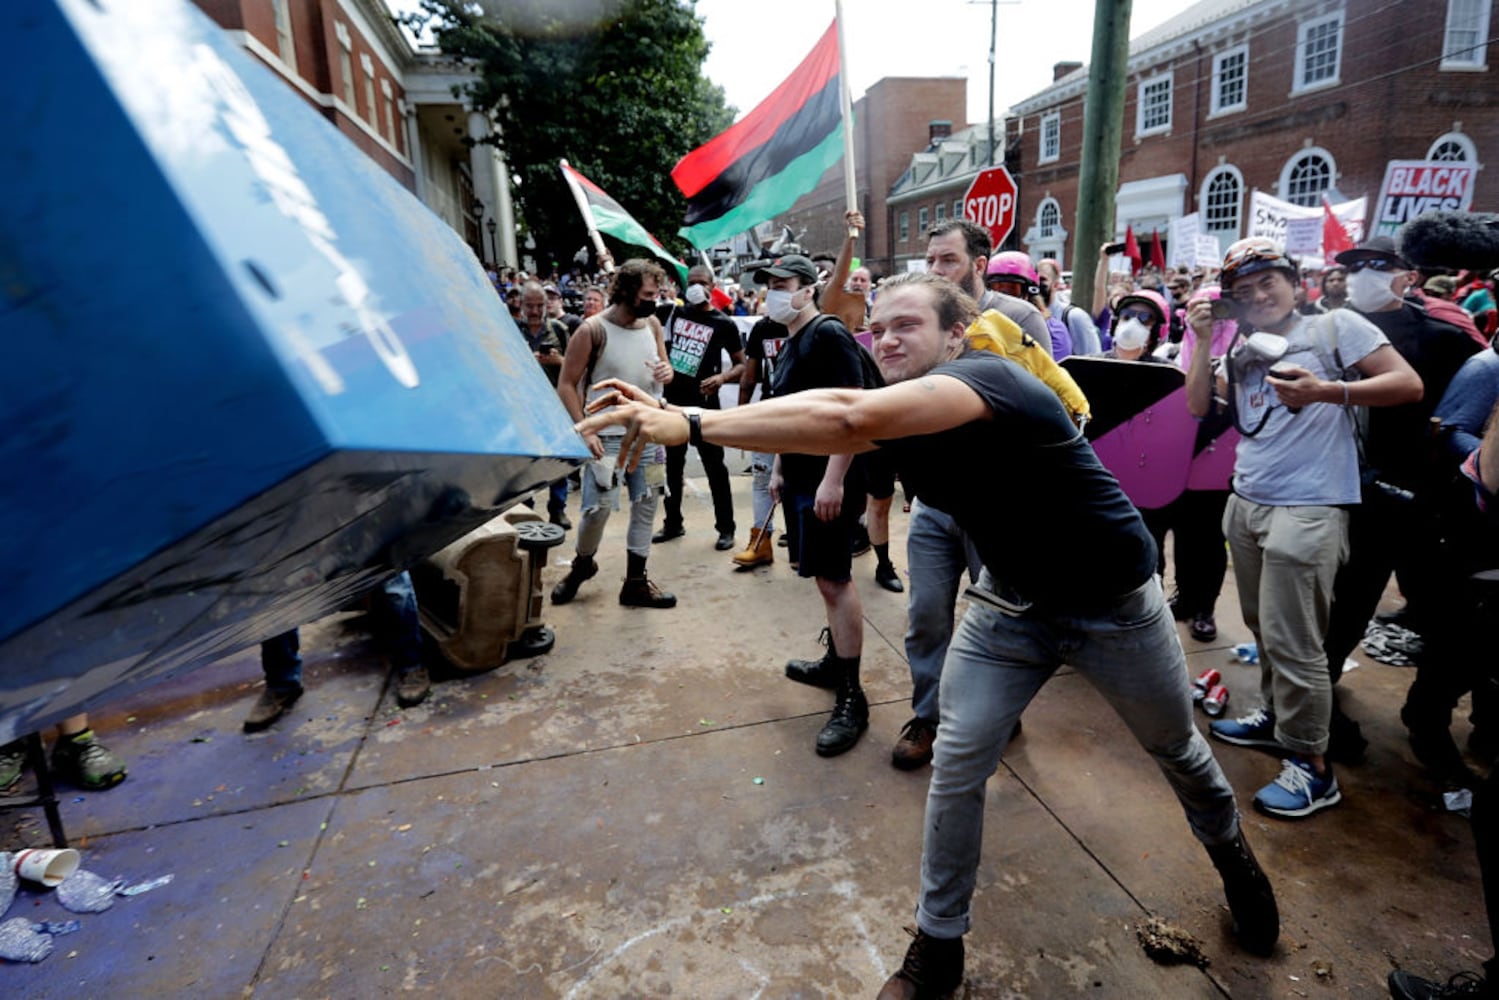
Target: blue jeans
{"type": "Point", "coordinates": [937, 553]}
{"type": "Point", "coordinates": [393, 613]}
{"type": "Point", "coordinates": [995, 665]}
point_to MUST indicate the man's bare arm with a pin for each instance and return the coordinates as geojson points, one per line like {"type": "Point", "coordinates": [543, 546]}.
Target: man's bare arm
{"type": "Point", "coordinates": [816, 422]}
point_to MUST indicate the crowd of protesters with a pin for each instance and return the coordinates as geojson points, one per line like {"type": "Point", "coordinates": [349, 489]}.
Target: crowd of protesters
{"type": "Point", "coordinates": [1338, 405]}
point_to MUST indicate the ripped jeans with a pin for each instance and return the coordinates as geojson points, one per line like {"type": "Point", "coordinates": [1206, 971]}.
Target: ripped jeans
{"type": "Point", "coordinates": [760, 466]}
{"type": "Point", "coordinates": [645, 485]}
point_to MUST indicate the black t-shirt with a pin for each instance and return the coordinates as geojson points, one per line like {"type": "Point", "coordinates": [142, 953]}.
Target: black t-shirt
{"type": "Point", "coordinates": [766, 339]}
{"type": "Point", "coordinates": [1399, 446]}
{"type": "Point", "coordinates": [695, 342]}
{"type": "Point", "coordinates": [1004, 480]}
{"type": "Point", "coordinates": [821, 355]}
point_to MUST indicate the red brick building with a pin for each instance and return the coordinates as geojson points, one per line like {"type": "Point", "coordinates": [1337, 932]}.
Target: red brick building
{"type": "Point", "coordinates": [1295, 98]}
{"type": "Point", "coordinates": [350, 61]}
{"type": "Point", "coordinates": [891, 121]}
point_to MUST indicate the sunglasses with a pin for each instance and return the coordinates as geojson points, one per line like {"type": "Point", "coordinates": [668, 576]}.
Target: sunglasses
{"type": "Point", "coordinates": [1143, 315]}
{"type": "Point", "coordinates": [1373, 264]}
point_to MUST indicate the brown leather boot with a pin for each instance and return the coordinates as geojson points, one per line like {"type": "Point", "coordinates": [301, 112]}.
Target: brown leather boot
{"type": "Point", "coordinates": [759, 551]}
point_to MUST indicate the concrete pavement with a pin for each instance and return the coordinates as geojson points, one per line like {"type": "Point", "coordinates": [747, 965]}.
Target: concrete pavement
{"type": "Point", "coordinates": [640, 813]}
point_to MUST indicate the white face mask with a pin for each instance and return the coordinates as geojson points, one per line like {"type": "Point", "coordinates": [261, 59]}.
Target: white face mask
{"type": "Point", "coordinates": [780, 307]}
{"type": "Point", "coordinates": [1371, 291]}
{"type": "Point", "coordinates": [1131, 335]}
{"type": "Point", "coordinates": [696, 295]}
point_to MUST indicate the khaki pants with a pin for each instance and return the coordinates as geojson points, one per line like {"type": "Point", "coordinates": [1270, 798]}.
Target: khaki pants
{"type": "Point", "coordinates": [1285, 560]}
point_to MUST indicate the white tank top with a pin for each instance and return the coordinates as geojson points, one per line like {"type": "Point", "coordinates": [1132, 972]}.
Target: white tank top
{"type": "Point", "coordinates": [628, 355]}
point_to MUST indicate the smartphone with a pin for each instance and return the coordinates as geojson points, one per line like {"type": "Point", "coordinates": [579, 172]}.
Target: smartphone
{"type": "Point", "coordinates": [1114, 248]}
{"type": "Point", "coordinates": [1281, 371]}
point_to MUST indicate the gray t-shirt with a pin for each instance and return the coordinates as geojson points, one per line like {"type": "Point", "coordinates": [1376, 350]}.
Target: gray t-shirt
{"type": "Point", "coordinates": [1309, 458]}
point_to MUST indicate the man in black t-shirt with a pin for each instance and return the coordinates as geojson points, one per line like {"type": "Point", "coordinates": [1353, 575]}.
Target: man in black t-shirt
{"type": "Point", "coordinates": [975, 435]}
{"type": "Point", "coordinates": [697, 336]}
{"type": "Point", "coordinates": [1395, 528]}
{"type": "Point", "coordinates": [823, 495]}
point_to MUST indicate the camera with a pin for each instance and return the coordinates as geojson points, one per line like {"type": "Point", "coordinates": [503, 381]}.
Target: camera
{"type": "Point", "coordinates": [1225, 309]}
{"type": "Point", "coordinates": [1114, 248]}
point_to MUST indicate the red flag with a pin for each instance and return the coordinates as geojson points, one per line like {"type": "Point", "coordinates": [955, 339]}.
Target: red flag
{"type": "Point", "coordinates": [760, 165]}
{"type": "Point", "coordinates": [1131, 248]}
{"type": "Point", "coordinates": [1157, 252]}
{"type": "Point", "coordinates": [720, 299]}
{"type": "Point", "coordinates": [1335, 238]}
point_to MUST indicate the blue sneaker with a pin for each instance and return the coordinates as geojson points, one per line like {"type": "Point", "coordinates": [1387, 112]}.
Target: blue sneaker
{"type": "Point", "coordinates": [1257, 729]}
{"type": "Point", "coordinates": [1298, 791]}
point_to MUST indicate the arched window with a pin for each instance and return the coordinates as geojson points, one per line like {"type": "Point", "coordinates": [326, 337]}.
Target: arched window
{"type": "Point", "coordinates": [1222, 201]}
{"type": "Point", "coordinates": [1453, 146]}
{"type": "Point", "coordinates": [1048, 218]}
{"type": "Point", "coordinates": [1306, 176]}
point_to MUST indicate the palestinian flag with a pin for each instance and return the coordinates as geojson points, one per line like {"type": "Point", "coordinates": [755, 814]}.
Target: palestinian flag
{"type": "Point", "coordinates": [606, 215]}
{"type": "Point", "coordinates": [769, 158]}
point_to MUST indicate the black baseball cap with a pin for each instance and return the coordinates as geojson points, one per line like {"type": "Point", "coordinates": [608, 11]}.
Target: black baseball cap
{"type": "Point", "coordinates": [790, 266]}
{"type": "Point", "coordinates": [1377, 248]}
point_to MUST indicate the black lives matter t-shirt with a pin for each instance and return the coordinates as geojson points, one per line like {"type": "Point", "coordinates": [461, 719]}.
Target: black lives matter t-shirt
{"type": "Point", "coordinates": [1004, 479]}
{"type": "Point", "coordinates": [695, 342]}
{"type": "Point", "coordinates": [821, 355]}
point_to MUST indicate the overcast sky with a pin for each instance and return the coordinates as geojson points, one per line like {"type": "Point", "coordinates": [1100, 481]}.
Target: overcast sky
{"type": "Point", "coordinates": [758, 44]}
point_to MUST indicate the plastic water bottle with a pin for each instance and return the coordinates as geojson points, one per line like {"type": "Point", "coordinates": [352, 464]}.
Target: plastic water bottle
{"type": "Point", "coordinates": [1247, 652]}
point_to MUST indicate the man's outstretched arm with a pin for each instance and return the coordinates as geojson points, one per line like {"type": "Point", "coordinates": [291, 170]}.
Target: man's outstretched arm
{"type": "Point", "coordinates": [816, 422]}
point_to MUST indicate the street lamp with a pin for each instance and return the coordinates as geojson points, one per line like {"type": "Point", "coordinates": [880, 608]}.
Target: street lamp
{"type": "Point", "coordinates": [477, 208]}
{"type": "Point", "coordinates": [494, 248]}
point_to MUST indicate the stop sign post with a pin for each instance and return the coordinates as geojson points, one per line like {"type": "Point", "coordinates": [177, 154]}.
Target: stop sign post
{"type": "Point", "coordinates": [990, 202]}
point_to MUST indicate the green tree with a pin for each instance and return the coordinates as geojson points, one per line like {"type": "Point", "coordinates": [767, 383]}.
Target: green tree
{"type": "Point", "coordinates": [613, 86]}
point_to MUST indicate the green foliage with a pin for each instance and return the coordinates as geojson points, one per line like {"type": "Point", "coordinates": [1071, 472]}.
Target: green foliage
{"type": "Point", "coordinates": [613, 86]}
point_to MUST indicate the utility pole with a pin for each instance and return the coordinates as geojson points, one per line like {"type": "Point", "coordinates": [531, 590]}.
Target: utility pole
{"type": "Point", "coordinates": [993, 39]}
{"type": "Point", "coordinates": [1103, 114]}
{"type": "Point", "coordinates": [993, 44]}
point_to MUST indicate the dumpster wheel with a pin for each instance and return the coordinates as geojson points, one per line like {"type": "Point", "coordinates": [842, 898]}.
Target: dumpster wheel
{"type": "Point", "coordinates": [538, 536]}
{"type": "Point", "coordinates": [534, 641]}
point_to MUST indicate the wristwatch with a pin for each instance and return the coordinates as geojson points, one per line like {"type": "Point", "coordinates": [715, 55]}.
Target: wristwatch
{"type": "Point", "coordinates": [694, 415]}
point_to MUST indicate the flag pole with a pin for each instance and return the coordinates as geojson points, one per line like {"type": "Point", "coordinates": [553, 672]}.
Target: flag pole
{"type": "Point", "coordinates": [593, 231]}
{"type": "Point", "coordinates": [846, 106]}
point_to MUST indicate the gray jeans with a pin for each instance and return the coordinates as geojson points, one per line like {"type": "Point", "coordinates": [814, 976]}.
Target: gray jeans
{"type": "Point", "coordinates": [938, 553]}
{"type": "Point", "coordinates": [1285, 562]}
{"type": "Point", "coordinates": [599, 498]}
{"type": "Point", "coordinates": [995, 665]}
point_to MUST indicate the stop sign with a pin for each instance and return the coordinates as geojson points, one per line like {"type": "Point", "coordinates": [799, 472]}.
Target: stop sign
{"type": "Point", "coordinates": [990, 202]}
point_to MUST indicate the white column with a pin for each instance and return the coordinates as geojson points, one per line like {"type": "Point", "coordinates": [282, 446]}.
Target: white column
{"type": "Point", "coordinates": [481, 166]}
{"type": "Point", "coordinates": [414, 151]}
{"type": "Point", "coordinates": [504, 211]}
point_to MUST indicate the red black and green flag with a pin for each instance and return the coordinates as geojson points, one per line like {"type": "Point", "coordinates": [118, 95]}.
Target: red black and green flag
{"type": "Point", "coordinates": [772, 156]}
{"type": "Point", "coordinates": [607, 216]}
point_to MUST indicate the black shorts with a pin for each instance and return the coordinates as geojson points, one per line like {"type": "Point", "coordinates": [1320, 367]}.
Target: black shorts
{"type": "Point", "coordinates": [822, 549]}
{"type": "Point", "coordinates": [879, 473]}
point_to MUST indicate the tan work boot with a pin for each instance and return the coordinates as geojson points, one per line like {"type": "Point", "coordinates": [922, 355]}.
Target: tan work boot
{"type": "Point", "coordinates": [759, 551]}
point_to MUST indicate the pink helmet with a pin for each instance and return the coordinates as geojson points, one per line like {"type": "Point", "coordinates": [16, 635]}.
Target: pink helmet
{"type": "Point", "coordinates": [1147, 297]}
{"type": "Point", "coordinates": [1015, 264]}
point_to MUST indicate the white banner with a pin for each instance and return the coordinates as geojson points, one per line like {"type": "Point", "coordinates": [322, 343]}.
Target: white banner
{"type": "Point", "coordinates": [1183, 239]}
{"type": "Point", "coordinates": [1304, 236]}
{"type": "Point", "coordinates": [1267, 216]}
{"type": "Point", "coordinates": [1414, 187]}
{"type": "Point", "coordinates": [1209, 251]}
